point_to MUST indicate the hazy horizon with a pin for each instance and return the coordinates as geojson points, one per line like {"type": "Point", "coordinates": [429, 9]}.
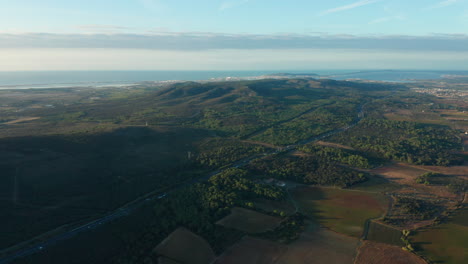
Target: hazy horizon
{"type": "Point", "coordinates": [233, 35]}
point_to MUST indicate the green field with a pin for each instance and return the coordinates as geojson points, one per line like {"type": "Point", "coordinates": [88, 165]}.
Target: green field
{"type": "Point", "coordinates": [343, 211]}
{"type": "Point", "coordinates": [446, 243]}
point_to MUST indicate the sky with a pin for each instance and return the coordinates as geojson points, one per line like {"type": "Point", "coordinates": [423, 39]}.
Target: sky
{"type": "Point", "coordinates": [233, 34]}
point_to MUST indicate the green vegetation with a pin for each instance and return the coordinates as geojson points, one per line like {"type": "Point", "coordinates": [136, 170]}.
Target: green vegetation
{"type": "Point", "coordinates": [328, 117]}
{"type": "Point", "coordinates": [220, 152]}
{"type": "Point", "coordinates": [330, 154]}
{"type": "Point", "coordinates": [308, 170]}
{"type": "Point", "coordinates": [427, 178]}
{"type": "Point", "coordinates": [75, 155]}
{"type": "Point", "coordinates": [412, 209]}
{"type": "Point", "coordinates": [445, 243]}
{"type": "Point", "coordinates": [198, 208]}
{"type": "Point", "coordinates": [404, 141]}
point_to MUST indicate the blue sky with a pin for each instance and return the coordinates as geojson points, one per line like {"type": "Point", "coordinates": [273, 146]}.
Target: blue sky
{"type": "Point", "coordinates": [207, 32]}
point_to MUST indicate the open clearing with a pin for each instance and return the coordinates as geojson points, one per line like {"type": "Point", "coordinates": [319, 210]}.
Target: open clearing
{"type": "Point", "coordinates": [185, 247]}
{"type": "Point", "coordinates": [21, 120]}
{"type": "Point", "coordinates": [377, 253]}
{"type": "Point", "coordinates": [333, 145]}
{"type": "Point", "coordinates": [446, 243]}
{"type": "Point", "coordinates": [344, 211]}
{"type": "Point", "coordinates": [405, 175]}
{"type": "Point", "coordinates": [399, 173]}
{"type": "Point", "coordinates": [249, 221]}
{"type": "Point", "coordinates": [313, 246]}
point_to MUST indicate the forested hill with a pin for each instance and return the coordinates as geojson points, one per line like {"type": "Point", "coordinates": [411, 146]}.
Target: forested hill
{"type": "Point", "coordinates": [228, 108]}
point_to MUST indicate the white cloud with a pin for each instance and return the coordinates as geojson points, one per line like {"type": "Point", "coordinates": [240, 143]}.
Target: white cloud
{"type": "Point", "coordinates": [231, 59]}
{"type": "Point", "coordinates": [443, 4]}
{"type": "Point", "coordinates": [348, 7]}
{"type": "Point", "coordinates": [160, 39]}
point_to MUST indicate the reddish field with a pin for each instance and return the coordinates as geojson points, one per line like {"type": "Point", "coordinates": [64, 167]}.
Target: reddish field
{"type": "Point", "coordinates": [343, 211]}
{"type": "Point", "coordinates": [314, 246]}
{"type": "Point", "coordinates": [377, 253]}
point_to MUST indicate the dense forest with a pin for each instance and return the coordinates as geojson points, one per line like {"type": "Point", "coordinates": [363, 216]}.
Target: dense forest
{"type": "Point", "coordinates": [332, 154]}
{"type": "Point", "coordinates": [404, 141]}
{"type": "Point", "coordinates": [309, 170]}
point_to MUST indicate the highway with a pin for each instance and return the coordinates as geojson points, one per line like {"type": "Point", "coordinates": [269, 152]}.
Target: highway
{"type": "Point", "coordinates": [151, 197]}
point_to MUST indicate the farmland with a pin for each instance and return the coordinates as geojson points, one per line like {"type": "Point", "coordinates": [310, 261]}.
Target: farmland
{"type": "Point", "coordinates": [445, 243]}
{"type": "Point", "coordinates": [176, 245]}
{"type": "Point", "coordinates": [209, 149]}
{"type": "Point", "coordinates": [249, 221]}
{"type": "Point", "coordinates": [316, 245]}
{"type": "Point", "coordinates": [343, 211]}
{"type": "Point", "coordinates": [377, 253]}
{"type": "Point", "coordinates": [379, 232]}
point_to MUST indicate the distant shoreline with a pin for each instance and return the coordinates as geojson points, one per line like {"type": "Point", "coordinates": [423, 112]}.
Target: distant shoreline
{"type": "Point", "coordinates": [110, 79]}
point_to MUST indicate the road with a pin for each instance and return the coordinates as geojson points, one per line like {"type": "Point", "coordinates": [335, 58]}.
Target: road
{"type": "Point", "coordinates": [156, 195]}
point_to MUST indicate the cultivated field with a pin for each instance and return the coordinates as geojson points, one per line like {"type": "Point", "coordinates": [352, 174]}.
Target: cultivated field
{"type": "Point", "coordinates": [344, 211]}
{"type": "Point", "coordinates": [313, 246]}
{"type": "Point", "coordinates": [379, 232]}
{"type": "Point", "coordinates": [377, 253]}
{"type": "Point", "coordinates": [249, 221]}
{"type": "Point", "coordinates": [446, 243]}
{"type": "Point", "coordinates": [252, 251]}
{"type": "Point", "coordinates": [320, 246]}
{"type": "Point", "coordinates": [185, 247]}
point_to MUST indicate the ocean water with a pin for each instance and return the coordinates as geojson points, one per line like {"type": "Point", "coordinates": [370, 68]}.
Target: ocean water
{"type": "Point", "coordinates": [60, 79]}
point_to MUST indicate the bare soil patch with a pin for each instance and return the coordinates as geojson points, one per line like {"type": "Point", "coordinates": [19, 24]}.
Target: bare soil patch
{"type": "Point", "coordinates": [405, 175]}
{"type": "Point", "coordinates": [333, 145]}
{"type": "Point", "coordinates": [21, 120]}
{"type": "Point", "coordinates": [377, 253]}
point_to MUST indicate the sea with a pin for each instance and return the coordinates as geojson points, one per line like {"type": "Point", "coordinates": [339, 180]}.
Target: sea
{"type": "Point", "coordinates": [67, 79]}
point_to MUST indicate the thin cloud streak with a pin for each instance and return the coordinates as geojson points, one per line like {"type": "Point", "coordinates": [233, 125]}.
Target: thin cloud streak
{"type": "Point", "coordinates": [443, 4]}
{"type": "Point", "coordinates": [197, 41]}
{"type": "Point", "coordinates": [231, 59]}
{"type": "Point", "coordinates": [348, 7]}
